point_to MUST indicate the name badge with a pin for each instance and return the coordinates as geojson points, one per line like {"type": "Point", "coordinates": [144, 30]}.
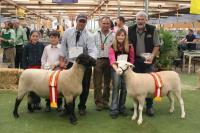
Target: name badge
{"type": "Point", "coordinates": [75, 52]}
{"type": "Point", "coordinates": [123, 57]}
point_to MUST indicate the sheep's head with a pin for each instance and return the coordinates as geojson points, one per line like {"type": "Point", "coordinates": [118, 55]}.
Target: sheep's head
{"type": "Point", "coordinates": [123, 66]}
{"type": "Point", "coordinates": [85, 60]}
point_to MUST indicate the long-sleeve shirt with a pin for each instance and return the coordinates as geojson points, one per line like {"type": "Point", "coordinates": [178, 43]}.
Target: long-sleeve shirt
{"type": "Point", "coordinates": [86, 41]}
{"type": "Point", "coordinates": [32, 55]}
{"type": "Point", "coordinates": [51, 55]}
{"type": "Point", "coordinates": [112, 55]}
{"type": "Point", "coordinates": [21, 37]}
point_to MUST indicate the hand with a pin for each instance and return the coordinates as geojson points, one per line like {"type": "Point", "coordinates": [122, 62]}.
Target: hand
{"type": "Point", "coordinates": [53, 67]}
{"type": "Point", "coordinates": [119, 71]}
{"type": "Point", "coordinates": [149, 60]}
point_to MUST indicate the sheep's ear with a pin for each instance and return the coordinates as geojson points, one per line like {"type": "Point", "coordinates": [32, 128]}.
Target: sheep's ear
{"type": "Point", "coordinates": [130, 65]}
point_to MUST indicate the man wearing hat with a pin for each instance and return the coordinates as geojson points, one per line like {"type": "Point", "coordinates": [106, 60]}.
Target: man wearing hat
{"type": "Point", "coordinates": [77, 40]}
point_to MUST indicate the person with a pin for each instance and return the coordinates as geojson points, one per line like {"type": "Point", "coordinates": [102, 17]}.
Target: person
{"type": "Point", "coordinates": [7, 39]}
{"type": "Point", "coordinates": [120, 23]}
{"type": "Point", "coordinates": [77, 40]}
{"type": "Point", "coordinates": [145, 39]}
{"type": "Point", "coordinates": [102, 70]}
{"type": "Point", "coordinates": [31, 59]}
{"type": "Point", "coordinates": [21, 40]}
{"type": "Point", "coordinates": [190, 37]}
{"type": "Point", "coordinates": [119, 50]}
{"type": "Point", "coordinates": [51, 61]}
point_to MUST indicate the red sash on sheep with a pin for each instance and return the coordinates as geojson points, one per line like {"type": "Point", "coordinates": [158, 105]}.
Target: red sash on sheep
{"type": "Point", "coordinates": [158, 86]}
{"type": "Point", "coordinates": [53, 92]}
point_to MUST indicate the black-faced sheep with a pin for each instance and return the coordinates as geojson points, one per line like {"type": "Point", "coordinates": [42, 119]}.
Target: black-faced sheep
{"type": "Point", "coordinates": [139, 86]}
{"type": "Point", "coordinates": [69, 84]}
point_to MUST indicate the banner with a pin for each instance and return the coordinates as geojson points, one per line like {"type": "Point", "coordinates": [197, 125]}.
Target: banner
{"type": "Point", "coordinates": [195, 7]}
{"type": "Point", "coordinates": [64, 1]}
{"type": "Point", "coordinates": [20, 12]}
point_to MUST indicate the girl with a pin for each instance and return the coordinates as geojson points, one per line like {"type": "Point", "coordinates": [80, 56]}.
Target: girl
{"type": "Point", "coordinates": [32, 59]}
{"type": "Point", "coordinates": [119, 50]}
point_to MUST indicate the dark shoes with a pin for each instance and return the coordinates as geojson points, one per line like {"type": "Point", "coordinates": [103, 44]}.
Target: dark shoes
{"type": "Point", "coordinates": [150, 112]}
{"type": "Point", "coordinates": [82, 112]}
{"type": "Point", "coordinates": [114, 116]}
{"type": "Point", "coordinates": [59, 109]}
{"type": "Point", "coordinates": [47, 109]}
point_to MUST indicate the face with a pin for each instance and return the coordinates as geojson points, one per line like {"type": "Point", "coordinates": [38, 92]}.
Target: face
{"type": "Point", "coordinates": [141, 21]}
{"type": "Point", "coordinates": [121, 38]}
{"type": "Point", "coordinates": [16, 24]}
{"type": "Point", "coordinates": [54, 40]}
{"type": "Point", "coordinates": [119, 23]}
{"type": "Point", "coordinates": [34, 37]}
{"type": "Point", "coordinates": [80, 24]}
{"type": "Point", "coordinates": [105, 25]}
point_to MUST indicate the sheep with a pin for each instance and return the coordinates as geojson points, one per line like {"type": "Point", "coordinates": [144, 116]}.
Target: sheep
{"type": "Point", "coordinates": [140, 85]}
{"type": "Point", "coordinates": [69, 84]}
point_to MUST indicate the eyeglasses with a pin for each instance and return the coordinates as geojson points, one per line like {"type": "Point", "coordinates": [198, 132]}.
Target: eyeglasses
{"type": "Point", "coordinates": [82, 21]}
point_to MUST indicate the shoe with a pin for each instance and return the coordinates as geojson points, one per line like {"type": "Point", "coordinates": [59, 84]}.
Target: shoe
{"type": "Point", "coordinates": [82, 112]}
{"type": "Point", "coordinates": [114, 116]}
{"type": "Point", "coordinates": [150, 112]}
{"type": "Point", "coordinates": [64, 113]}
{"type": "Point", "coordinates": [59, 109]}
{"type": "Point", "coordinates": [123, 113]}
{"type": "Point", "coordinates": [99, 108]}
{"type": "Point", "coordinates": [106, 106]}
{"type": "Point", "coordinates": [47, 109]}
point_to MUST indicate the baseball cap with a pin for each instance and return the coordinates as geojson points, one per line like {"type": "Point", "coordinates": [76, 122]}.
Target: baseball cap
{"type": "Point", "coordinates": [81, 17]}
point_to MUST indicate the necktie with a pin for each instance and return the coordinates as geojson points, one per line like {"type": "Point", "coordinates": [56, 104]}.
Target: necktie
{"type": "Point", "coordinates": [77, 36]}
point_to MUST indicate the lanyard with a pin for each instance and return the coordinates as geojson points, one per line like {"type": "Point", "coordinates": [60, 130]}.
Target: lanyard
{"type": "Point", "coordinates": [103, 42]}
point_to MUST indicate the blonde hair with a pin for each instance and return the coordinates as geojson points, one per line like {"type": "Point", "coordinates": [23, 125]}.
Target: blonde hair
{"type": "Point", "coordinates": [125, 43]}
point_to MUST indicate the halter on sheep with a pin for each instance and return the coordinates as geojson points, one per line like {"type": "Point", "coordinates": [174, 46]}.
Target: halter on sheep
{"type": "Point", "coordinates": [141, 85]}
{"type": "Point", "coordinates": [69, 83]}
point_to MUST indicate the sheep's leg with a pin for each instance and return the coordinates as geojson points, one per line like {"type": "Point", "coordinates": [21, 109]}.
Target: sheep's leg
{"type": "Point", "coordinates": [180, 99]}
{"type": "Point", "coordinates": [135, 104]}
{"type": "Point", "coordinates": [21, 94]}
{"type": "Point", "coordinates": [141, 100]}
{"type": "Point", "coordinates": [15, 112]}
{"type": "Point", "coordinates": [30, 108]}
{"type": "Point", "coordinates": [72, 116]}
{"type": "Point", "coordinates": [171, 100]}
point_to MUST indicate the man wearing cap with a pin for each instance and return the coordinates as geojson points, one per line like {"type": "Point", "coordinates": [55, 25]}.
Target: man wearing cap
{"type": "Point", "coordinates": [77, 40]}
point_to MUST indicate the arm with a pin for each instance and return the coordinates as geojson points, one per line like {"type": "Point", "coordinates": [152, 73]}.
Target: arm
{"type": "Point", "coordinates": [24, 36]}
{"type": "Point", "coordinates": [131, 55]}
{"type": "Point", "coordinates": [44, 58]}
{"type": "Point", "coordinates": [91, 47]}
{"type": "Point", "coordinates": [111, 54]}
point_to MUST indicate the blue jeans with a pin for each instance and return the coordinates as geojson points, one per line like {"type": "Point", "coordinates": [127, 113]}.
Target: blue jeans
{"type": "Point", "coordinates": [119, 93]}
{"type": "Point", "coordinates": [141, 67]}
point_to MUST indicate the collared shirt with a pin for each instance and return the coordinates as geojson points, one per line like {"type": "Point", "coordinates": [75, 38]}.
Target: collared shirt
{"type": "Point", "coordinates": [86, 41]}
{"type": "Point", "coordinates": [51, 55]}
{"type": "Point", "coordinates": [21, 37]}
{"type": "Point", "coordinates": [106, 40]}
{"type": "Point", "coordinates": [116, 28]}
{"type": "Point", "coordinates": [141, 41]}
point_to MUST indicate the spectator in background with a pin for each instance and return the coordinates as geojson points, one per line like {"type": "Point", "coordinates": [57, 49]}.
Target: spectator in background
{"type": "Point", "coordinates": [190, 37]}
{"type": "Point", "coordinates": [7, 39]}
{"type": "Point", "coordinates": [21, 40]}
{"type": "Point", "coordinates": [120, 24]}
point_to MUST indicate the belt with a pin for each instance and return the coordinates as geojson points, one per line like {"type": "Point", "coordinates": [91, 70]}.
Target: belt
{"type": "Point", "coordinates": [102, 58]}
